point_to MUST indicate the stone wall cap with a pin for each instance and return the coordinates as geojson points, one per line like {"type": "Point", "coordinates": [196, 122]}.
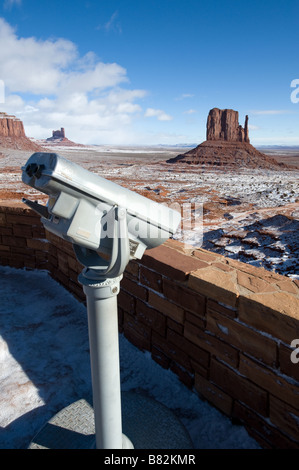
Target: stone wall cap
{"type": "Point", "coordinates": [175, 264]}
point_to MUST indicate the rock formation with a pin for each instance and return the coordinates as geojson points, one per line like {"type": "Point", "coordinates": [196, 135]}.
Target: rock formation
{"type": "Point", "coordinates": [227, 145]}
{"type": "Point", "coordinates": [10, 126]}
{"type": "Point", "coordinates": [58, 134]}
{"type": "Point", "coordinates": [59, 139]}
{"type": "Point", "coordinates": [12, 134]}
{"type": "Point", "coordinates": [223, 124]}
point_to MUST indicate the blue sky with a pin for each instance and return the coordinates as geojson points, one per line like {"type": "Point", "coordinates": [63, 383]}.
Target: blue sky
{"type": "Point", "coordinates": [149, 71]}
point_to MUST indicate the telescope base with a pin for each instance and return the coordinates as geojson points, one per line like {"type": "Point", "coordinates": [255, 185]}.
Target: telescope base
{"type": "Point", "coordinates": [147, 423]}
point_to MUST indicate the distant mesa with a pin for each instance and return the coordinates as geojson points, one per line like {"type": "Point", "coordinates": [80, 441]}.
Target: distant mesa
{"type": "Point", "coordinates": [59, 138]}
{"type": "Point", "coordinates": [227, 145]}
{"type": "Point", "coordinates": [58, 134]}
{"type": "Point", "coordinates": [12, 134]}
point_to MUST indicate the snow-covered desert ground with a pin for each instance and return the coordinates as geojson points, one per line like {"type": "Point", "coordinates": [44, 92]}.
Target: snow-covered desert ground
{"type": "Point", "coordinates": [44, 366]}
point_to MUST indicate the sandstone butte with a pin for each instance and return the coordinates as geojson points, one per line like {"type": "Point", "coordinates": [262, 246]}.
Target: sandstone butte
{"type": "Point", "coordinates": [59, 138]}
{"type": "Point", "coordinates": [227, 145]}
{"type": "Point", "coordinates": [12, 134]}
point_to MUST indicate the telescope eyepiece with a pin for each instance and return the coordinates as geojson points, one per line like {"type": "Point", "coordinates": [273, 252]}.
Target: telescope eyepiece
{"type": "Point", "coordinates": [33, 169]}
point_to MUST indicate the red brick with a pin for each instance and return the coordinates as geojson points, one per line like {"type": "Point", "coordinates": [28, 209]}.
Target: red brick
{"type": "Point", "coordinates": [16, 263]}
{"type": "Point", "coordinates": [66, 247]}
{"type": "Point", "coordinates": [53, 261]}
{"type": "Point", "coordinates": [151, 279]}
{"type": "Point", "coordinates": [74, 264]}
{"type": "Point", "coordinates": [63, 262]}
{"type": "Point", "coordinates": [171, 263]}
{"type": "Point", "coordinates": [41, 263]}
{"type": "Point", "coordinates": [270, 380]}
{"type": "Point", "coordinates": [244, 338]}
{"type": "Point", "coordinates": [173, 325]}
{"type": "Point", "coordinates": [134, 288]}
{"type": "Point", "coordinates": [199, 369]}
{"type": "Point", "coordinates": [185, 377]}
{"type": "Point", "coordinates": [13, 241]}
{"type": "Point", "coordinates": [214, 395]}
{"type": "Point", "coordinates": [160, 357]}
{"type": "Point", "coordinates": [288, 367]}
{"type": "Point", "coordinates": [214, 346]}
{"type": "Point", "coordinates": [217, 307]}
{"type": "Point", "coordinates": [53, 238]}
{"type": "Point", "coordinates": [164, 306]}
{"type": "Point", "coordinates": [3, 220]}
{"type": "Point", "coordinates": [22, 231]}
{"type": "Point", "coordinates": [215, 284]}
{"type": "Point", "coordinates": [133, 268]}
{"type": "Point", "coordinates": [151, 317]}
{"type": "Point", "coordinates": [38, 244]}
{"type": "Point", "coordinates": [196, 320]}
{"type": "Point", "coordinates": [33, 264]}
{"type": "Point", "coordinates": [136, 332]}
{"type": "Point", "coordinates": [192, 350]}
{"type": "Point", "coordinates": [254, 283]}
{"type": "Point", "coordinates": [285, 417]}
{"type": "Point", "coordinates": [239, 387]}
{"type": "Point", "coordinates": [22, 219]}
{"type": "Point", "coordinates": [4, 261]}
{"type": "Point", "coordinates": [126, 301]}
{"type": "Point", "coordinates": [73, 275]}
{"type": "Point", "coordinates": [171, 351]}
{"type": "Point", "coordinates": [59, 276]}
{"type": "Point", "coordinates": [6, 231]}
{"type": "Point", "coordinates": [184, 297]}
{"type": "Point", "coordinates": [24, 251]}
{"type": "Point", "coordinates": [262, 311]}
{"type": "Point", "coordinates": [266, 434]}
{"type": "Point", "coordinates": [206, 256]}
{"type": "Point", "coordinates": [38, 231]}
{"type": "Point", "coordinates": [222, 266]}
{"type": "Point", "coordinates": [5, 248]}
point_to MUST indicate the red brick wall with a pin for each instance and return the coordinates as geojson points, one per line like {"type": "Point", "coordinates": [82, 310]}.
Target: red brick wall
{"type": "Point", "coordinates": [223, 327]}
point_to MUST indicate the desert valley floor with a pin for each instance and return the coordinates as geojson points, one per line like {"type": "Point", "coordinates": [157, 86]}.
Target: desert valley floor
{"type": "Point", "coordinates": [249, 215]}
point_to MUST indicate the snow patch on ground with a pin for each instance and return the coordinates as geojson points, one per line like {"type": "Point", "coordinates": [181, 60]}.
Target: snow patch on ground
{"type": "Point", "coordinates": [44, 366]}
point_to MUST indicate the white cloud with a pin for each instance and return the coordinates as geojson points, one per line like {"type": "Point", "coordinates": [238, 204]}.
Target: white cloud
{"type": "Point", "coordinates": [269, 111]}
{"type": "Point", "coordinates": [113, 24]}
{"type": "Point", "coordinates": [190, 111]}
{"type": "Point", "coordinates": [183, 96]}
{"type": "Point", "coordinates": [29, 65]}
{"type": "Point", "coordinates": [82, 94]}
{"type": "Point", "coordinates": [158, 113]}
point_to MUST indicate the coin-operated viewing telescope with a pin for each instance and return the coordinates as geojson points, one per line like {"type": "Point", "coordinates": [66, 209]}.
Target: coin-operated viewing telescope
{"type": "Point", "coordinates": [95, 214]}
{"type": "Point", "coordinates": [108, 225]}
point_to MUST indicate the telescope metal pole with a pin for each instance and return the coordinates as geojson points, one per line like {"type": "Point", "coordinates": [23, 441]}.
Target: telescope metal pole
{"type": "Point", "coordinates": [101, 298]}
